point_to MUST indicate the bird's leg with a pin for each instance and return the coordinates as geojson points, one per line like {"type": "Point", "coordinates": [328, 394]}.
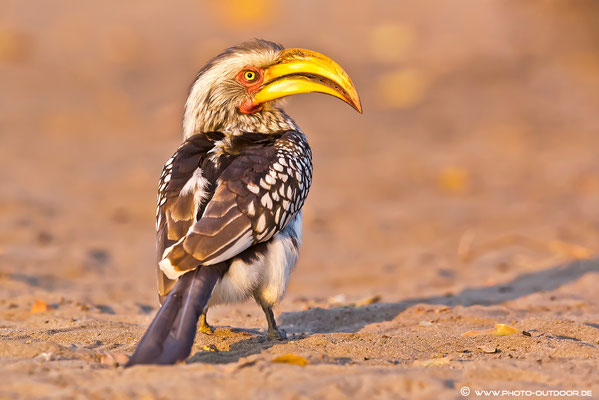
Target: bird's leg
{"type": "Point", "coordinates": [204, 326]}
{"type": "Point", "coordinates": [273, 331]}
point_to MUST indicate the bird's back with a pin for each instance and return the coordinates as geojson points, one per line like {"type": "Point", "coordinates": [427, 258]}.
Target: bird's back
{"type": "Point", "coordinates": [222, 195]}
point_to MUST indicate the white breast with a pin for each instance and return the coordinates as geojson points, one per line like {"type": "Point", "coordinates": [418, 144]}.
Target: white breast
{"type": "Point", "coordinates": [265, 278]}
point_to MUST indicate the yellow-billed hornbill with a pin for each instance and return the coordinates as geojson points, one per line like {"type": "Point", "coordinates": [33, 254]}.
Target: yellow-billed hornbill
{"type": "Point", "coordinates": [229, 217]}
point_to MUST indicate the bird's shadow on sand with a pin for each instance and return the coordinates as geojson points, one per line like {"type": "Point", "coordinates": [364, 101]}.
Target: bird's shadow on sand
{"type": "Point", "coordinates": [316, 320]}
{"type": "Point", "coordinates": [241, 349]}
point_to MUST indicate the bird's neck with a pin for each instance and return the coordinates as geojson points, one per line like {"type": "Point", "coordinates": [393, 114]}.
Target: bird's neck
{"type": "Point", "coordinates": [271, 120]}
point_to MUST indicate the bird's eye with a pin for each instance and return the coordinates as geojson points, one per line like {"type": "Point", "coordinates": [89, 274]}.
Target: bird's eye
{"type": "Point", "coordinates": [250, 76]}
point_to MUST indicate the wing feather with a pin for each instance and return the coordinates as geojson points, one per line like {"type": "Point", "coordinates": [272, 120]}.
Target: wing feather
{"type": "Point", "coordinates": [180, 183]}
{"type": "Point", "coordinates": [254, 198]}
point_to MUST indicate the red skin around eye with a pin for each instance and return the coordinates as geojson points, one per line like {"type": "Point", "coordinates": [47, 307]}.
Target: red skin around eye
{"type": "Point", "coordinates": [253, 85]}
{"type": "Point", "coordinates": [248, 106]}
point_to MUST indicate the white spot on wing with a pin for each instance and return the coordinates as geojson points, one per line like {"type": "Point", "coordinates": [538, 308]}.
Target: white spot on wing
{"type": "Point", "coordinates": [253, 188]}
{"type": "Point", "coordinates": [261, 223]}
{"type": "Point", "coordinates": [251, 209]}
{"type": "Point", "coordinates": [266, 201]}
{"type": "Point", "coordinates": [270, 180]}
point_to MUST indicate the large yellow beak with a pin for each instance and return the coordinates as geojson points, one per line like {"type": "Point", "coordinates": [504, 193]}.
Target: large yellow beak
{"type": "Point", "coordinates": [305, 71]}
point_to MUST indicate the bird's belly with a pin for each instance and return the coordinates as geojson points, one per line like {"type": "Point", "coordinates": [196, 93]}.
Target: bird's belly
{"type": "Point", "coordinates": [262, 271]}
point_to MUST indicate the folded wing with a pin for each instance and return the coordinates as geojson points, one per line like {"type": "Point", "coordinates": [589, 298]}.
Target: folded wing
{"type": "Point", "coordinates": [255, 196]}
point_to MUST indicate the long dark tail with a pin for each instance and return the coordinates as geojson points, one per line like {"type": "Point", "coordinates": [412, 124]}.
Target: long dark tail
{"type": "Point", "coordinates": [170, 336]}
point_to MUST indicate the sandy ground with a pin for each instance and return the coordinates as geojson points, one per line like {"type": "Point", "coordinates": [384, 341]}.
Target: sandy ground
{"type": "Point", "coordinates": [465, 196]}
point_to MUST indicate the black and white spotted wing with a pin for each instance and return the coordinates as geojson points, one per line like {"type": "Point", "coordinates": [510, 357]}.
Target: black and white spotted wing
{"type": "Point", "coordinates": [185, 187]}
{"type": "Point", "coordinates": [262, 185]}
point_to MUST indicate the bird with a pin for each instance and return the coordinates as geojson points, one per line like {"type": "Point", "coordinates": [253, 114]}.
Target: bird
{"type": "Point", "coordinates": [229, 215]}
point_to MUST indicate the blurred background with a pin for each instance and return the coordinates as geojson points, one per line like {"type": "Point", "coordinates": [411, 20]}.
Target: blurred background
{"type": "Point", "coordinates": [475, 160]}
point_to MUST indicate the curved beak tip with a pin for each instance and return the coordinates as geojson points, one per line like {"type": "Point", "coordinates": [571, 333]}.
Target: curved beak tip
{"type": "Point", "coordinates": [358, 107]}
{"type": "Point", "coordinates": [305, 71]}
{"type": "Point", "coordinates": [354, 101]}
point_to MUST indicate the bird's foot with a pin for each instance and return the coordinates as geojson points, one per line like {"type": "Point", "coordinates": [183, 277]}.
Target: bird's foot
{"type": "Point", "coordinates": [206, 329]}
{"type": "Point", "coordinates": [205, 326]}
{"type": "Point", "coordinates": [276, 334]}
